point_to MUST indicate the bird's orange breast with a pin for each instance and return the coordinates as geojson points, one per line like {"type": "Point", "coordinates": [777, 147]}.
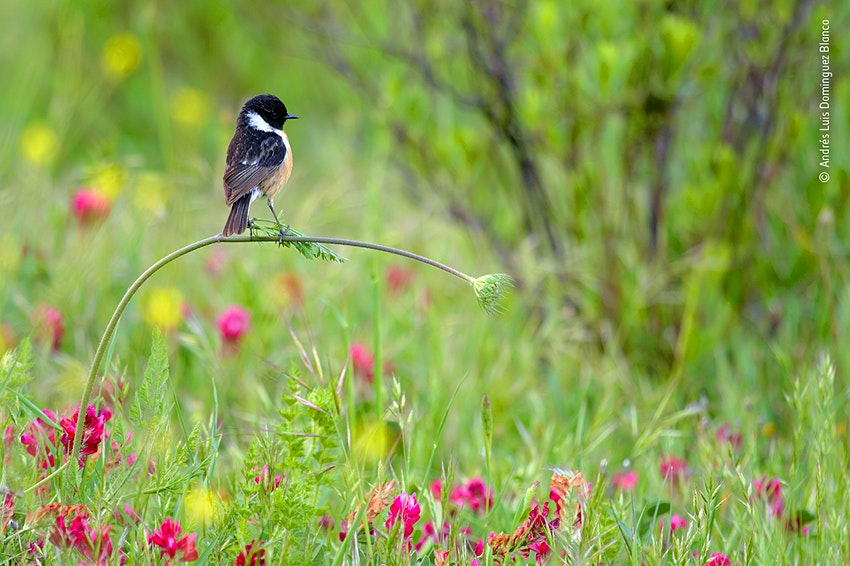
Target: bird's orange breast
{"type": "Point", "coordinates": [275, 182]}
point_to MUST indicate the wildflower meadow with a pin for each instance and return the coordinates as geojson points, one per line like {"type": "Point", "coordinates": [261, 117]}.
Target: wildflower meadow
{"type": "Point", "coordinates": [562, 283]}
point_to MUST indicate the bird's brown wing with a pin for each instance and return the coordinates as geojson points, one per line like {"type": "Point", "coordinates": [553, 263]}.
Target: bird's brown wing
{"type": "Point", "coordinates": [247, 169]}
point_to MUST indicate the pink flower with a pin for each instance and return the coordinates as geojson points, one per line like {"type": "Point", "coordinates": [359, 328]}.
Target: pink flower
{"type": "Point", "coordinates": [718, 559]}
{"type": "Point", "coordinates": [625, 481]}
{"type": "Point", "coordinates": [40, 440]}
{"type": "Point", "coordinates": [676, 522]}
{"type": "Point", "coordinates": [166, 538]}
{"type": "Point", "coordinates": [399, 278]}
{"type": "Point", "coordinates": [94, 544]}
{"type": "Point", "coordinates": [127, 515]}
{"type": "Point", "coordinates": [89, 206]}
{"type": "Point", "coordinates": [724, 435]}
{"type": "Point", "coordinates": [251, 556]}
{"type": "Point", "coordinates": [673, 469]}
{"type": "Point", "coordinates": [93, 431]}
{"type": "Point", "coordinates": [474, 494]}
{"type": "Point", "coordinates": [540, 548]}
{"type": "Point", "coordinates": [50, 325]}
{"type": "Point", "coordinates": [363, 361]}
{"type": "Point", "coordinates": [770, 490]}
{"type": "Point", "coordinates": [8, 509]}
{"type": "Point", "coordinates": [405, 509]}
{"type": "Point", "coordinates": [233, 324]}
{"type": "Point", "coordinates": [263, 479]}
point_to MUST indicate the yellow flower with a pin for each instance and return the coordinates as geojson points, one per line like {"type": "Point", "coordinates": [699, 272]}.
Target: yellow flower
{"type": "Point", "coordinates": [121, 55]}
{"type": "Point", "coordinates": [189, 107]}
{"type": "Point", "coordinates": [150, 196]}
{"type": "Point", "coordinates": [163, 307]}
{"type": "Point", "coordinates": [200, 508]}
{"type": "Point", "coordinates": [39, 144]}
{"type": "Point", "coordinates": [108, 180]}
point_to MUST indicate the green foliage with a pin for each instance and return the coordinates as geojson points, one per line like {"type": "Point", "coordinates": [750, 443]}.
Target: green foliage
{"type": "Point", "coordinates": [16, 371]}
{"type": "Point", "coordinates": [150, 408]}
{"type": "Point", "coordinates": [645, 172]}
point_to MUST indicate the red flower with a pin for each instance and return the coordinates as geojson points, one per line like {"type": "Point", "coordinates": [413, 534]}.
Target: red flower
{"type": "Point", "coordinates": [718, 559]}
{"type": "Point", "coordinates": [625, 481]}
{"type": "Point", "coordinates": [233, 324]}
{"type": "Point", "coordinates": [166, 538]}
{"type": "Point", "coordinates": [265, 482]}
{"type": "Point", "coordinates": [399, 278]}
{"type": "Point", "coordinates": [93, 431]}
{"type": "Point", "coordinates": [94, 544]}
{"type": "Point", "coordinates": [363, 361]}
{"type": "Point", "coordinates": [540, 548]}
{"type": "Point", "coordinates": [326, 523]}
{"type": "Point", "coordinates": [474, 494]}
{"type": "Point", "coordinates": [406, 509]}
{"type": "Point", "coordinates": [673, 469]}
{"type": "Point", "coordinates": [50, 325]}
{"type": "Point", "coordinates": [40, 439]}
{"type": "Point", "coordinates": [251, 556]}
{"type": "Point", "coordinates": [89, 206]}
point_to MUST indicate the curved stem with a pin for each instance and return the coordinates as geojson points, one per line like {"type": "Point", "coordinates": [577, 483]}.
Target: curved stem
{"type": "Point", "coordinates": [357, 244]}
{"type": "Point", "coordinates": [125, 300]}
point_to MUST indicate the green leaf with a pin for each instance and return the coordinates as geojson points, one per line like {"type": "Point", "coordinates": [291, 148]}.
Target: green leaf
{"type": "Point", "coordinates": [310, 250]}
{"type": "Point", "coordinates": [15, 373]}
{"type": "Point", "coordinates": [650, 513]}
{"type": "Point", "coordinates": [148, 411]}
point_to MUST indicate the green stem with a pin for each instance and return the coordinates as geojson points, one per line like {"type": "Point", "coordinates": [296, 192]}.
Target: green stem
{"type": "Point", "coordinates": [125, 300]}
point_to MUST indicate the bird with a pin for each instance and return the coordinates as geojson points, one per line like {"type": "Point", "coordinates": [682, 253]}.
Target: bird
{"type": "Point", "coordinates": [259, 161]}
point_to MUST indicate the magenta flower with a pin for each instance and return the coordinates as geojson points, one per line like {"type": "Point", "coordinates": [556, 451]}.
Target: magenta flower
{"type": "Point", "coordinates": [251, 556]}
{"type": "Point", "coordinates": [770, 490]}
{"type": "Point", "coordinates": [405, 509]}
{"type": "Point", "coordinates": [94, 544]}
{"type": "Point", "coordinates": [625, 481]}
{"type": "Point", "coordinates": [166, 538]}
{"type": "Point", "coordinates": [718, 559]}
{"type": "Point", "coordinates": [363, 361]}
{"type": "Point", "coordinates": [268, 484]}
{"type": "Point", "coordinates": [540, 548]}
{"type": "Point", "coordinates": [233, 324]}
{"type": "Point", "coordinates": [474, 495]}
{"type": "Point", "coordinates": [89, 206]}
{"type": "Point", "coordinates": [326, 523]}
{"type": "Point", "coordinates": [676, 522]}
{"type": "Point", "coordinates": [673, 469]}
{"type": "Point", "coordinates": [40, 440]}
{"type": "Point", "coordinates": [93, 431]}
{"type": "Point", "coordinates": [50, 325]}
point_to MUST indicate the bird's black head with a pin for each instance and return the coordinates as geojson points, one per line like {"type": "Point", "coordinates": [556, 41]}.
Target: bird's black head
{"type": "Point", "coordinates": [269, 108]}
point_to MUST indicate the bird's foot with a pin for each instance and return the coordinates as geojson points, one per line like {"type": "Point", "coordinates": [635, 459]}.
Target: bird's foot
{"type": "Point", "coordinates": [282, 233]}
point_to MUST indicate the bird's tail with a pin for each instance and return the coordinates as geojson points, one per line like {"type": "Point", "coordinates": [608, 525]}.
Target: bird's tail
{"type": "Point", "coordinates": [238, 219]}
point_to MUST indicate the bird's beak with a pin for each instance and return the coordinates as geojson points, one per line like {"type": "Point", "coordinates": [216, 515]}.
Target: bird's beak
{"type": "Point", "coordinates": [291, 117]}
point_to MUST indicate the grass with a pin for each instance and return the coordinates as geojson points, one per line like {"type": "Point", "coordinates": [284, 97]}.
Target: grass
{"type": "Point", "coordinates": [253, 404]}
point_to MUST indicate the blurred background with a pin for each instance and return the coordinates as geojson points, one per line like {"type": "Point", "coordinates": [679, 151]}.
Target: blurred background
{"type": "Point", "coordinates": [646, 171]}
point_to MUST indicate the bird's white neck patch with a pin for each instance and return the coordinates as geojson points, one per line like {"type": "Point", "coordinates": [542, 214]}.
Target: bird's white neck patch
{"type": "Point", "coordinates": [256, 121]}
